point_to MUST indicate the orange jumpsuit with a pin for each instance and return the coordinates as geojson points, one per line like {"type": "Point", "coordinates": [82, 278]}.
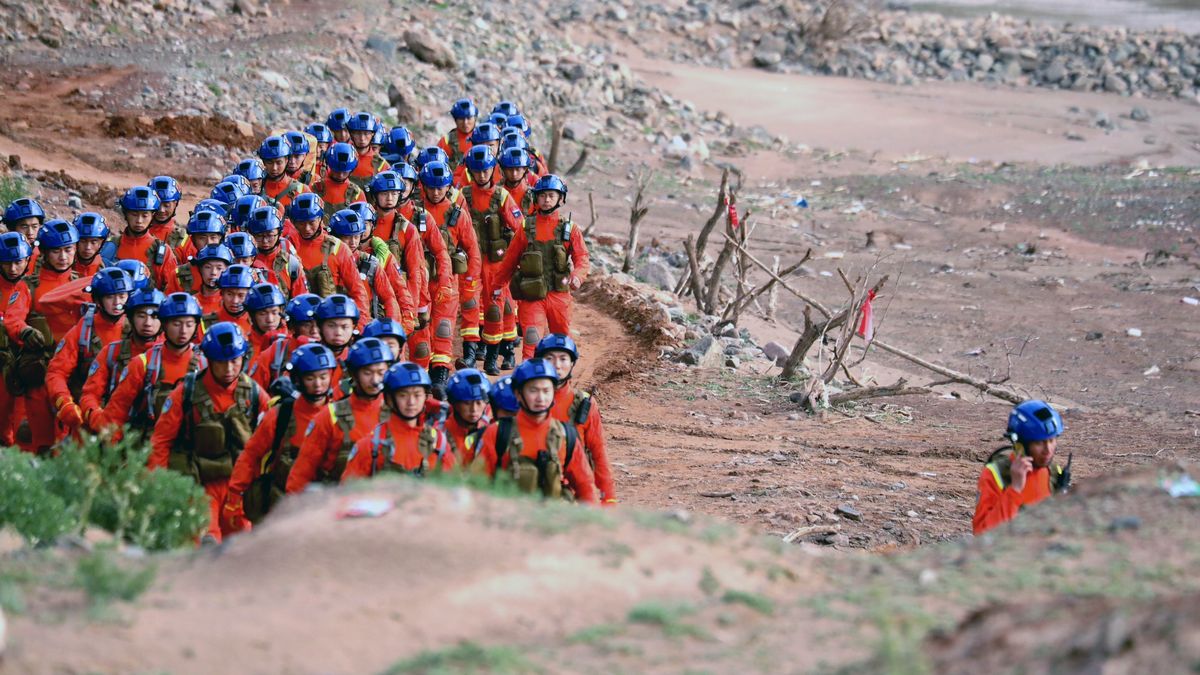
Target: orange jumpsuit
{"type": "Point", "coordinates": [131, 384]}
{"type": "Point", "coordinates": [382, 288]}
{"type": "Point", "coordinates": [411, 268]}
{"type": "Point", "coordinates": [68, 358]}
{"type": "Point", "coordinates": [14, 309]}
{"type": "Point", "coordinates": [456, 145]}
{"type": "Point", "coordinates": [519, 191]}
{"type": "Point", "coordinates": [553, 313]}
{"type": "Point", "coordinates": [284, 190]}
{"type": "Point", "coordinates": [499, 311]}
{"type": "Point", "coordinates": [405, 451]}
{"type": "Point", "coordinates": [102, 379]}
{"type": "Point", "coordinates": [324, 438]}
{"type": "Point", "coordinates": [434, 344]}
{"type": "Point", "coordinates": [39, 410]}
{"type": "Point", "coordinates": [999, 504]}
{"type": "Point", "coordinates": [338, 196]}
{"type": "Point", "coordinates": [533, 438]}
{"type": "Point", "coordinates": [290, 277]}
{"type": "Point", "coordinates": [463, 438]}
{"type": "Point", "coordinates": [369, 164]}
{"type": "Point", "coordinates": [170, 425]}
{"type": "Point", "coordinates": [88, 270]}
{"type": "Point", "coordinates": [135, 247]}
{"type": "Point", "coordinates": [242, 320]}
{"type": "Point", "coordinates": [462, 236]}
{"type": "Point", "coordinates": [185, 251]}
{"type": "Point", "coordinates": [163, 230]}
{"type": "Point", "coordinates": [591, 434]}
{"type": "Point", "coordinates": [341, 265]}
{"type": "Point", "coordinates": [262, 369]}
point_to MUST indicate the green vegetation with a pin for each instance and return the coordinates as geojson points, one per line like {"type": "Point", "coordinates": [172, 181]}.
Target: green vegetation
{"type": "Point", "coordinates": [668, 616]}
{"type": "Point", "coordinates": [756, 602]}
{"type": "Point", "coordinates": [11, 187]}
{"type": "Point", "coordinates": [597, 633]}
{"type": "Point", "coordinates": [105, 580]}
{"type": "Point", "coordinates": [466, 657]}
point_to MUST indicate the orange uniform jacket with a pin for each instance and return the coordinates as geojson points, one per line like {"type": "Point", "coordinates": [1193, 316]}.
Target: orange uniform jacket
{"type": "Point", "coordinates": [134, 247]}
{"type": "Point", "coordinates": [323, 439]}
{"type": "Point", "coordinates": [162, 230]}
{"type": "Point", "coordinates": [242, 320]}
{"type": "Point", "coordinates": [462, 234]}
{"type": "Point", "coordinates": [60, 322]}
{"type": "Point", "coordinates": [95, 389]}
{"type": "Point", "coordinates": [437, 247]}
{"type": "Point", "coordinates": [66, 359]}
{"type": "Point", "coordinates": [261, 369]}
{"type": "Point", "coordinates": [129, 387]}
{"type": "Point", "coordinates": [405, 451]}
{"type": "Point", "coordinates": [997, 504]}
{"type": "Point", "coordinates": [404, 299]}
{"type": "Point", "coordinates": [88, 270]}
{"type": "Point", "coordinates": [591, 434]}
{"type": "Point", "coordinates": [338, 196]}
{"type": "Point", "coordinates": [276, 189]}
{"type": "Point", "coordinates": [533, 439]}
{"type": "Point", "coordinates": [14, 307]}
{"type": "Point", "coordinates": [463, 141]}
{"type": "Point", "coordinates": [463, 438]}
{"type": "Point", "coordinates": [547, 226]}
{"type": "Point", "coordinates": [369, 164]}
{"type": "Point", "coordinates": [414, 256]}
{"type": "Point", "coordinates": [518, 191]}
{"type": "Point", "coordinates": [265, 260]}
{"type": "Point", "coordinates": [341, 265]}
{"type": "Point", "coordinates": [249, 464]}
{"type": "Point", "coordinates": [383, 287]}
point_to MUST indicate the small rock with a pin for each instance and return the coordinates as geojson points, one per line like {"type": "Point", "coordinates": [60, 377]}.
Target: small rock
{"type": "Point", "coordinates": [728, 330]}
{"type": "Point", "coordinates": [429, 49]}
{"type": "Point", "coordinates": [732, 362]}
{"type": "Point", "coordinates": [382, 44]}
{"type": "Point", "coordinates": [275, 79]}
{"type": "Point", "coordinates": [245, 129]}
{"type": "Point", "coordinates": [1093, 336]}
{"type": "Point", "coordinates": [798, 397]}
{"type": "Point", "coordinates": [74, 202]}
{"type": "Point", "coordinates": [1121, 523]}
{"type": "Point", "coordinates": [1152, 370]}
{"type": "Point", "coordinates": [838, 540]}
{"type": "Point", "coordinates": [847, 511]}
{"type": "Point", "coordinates": [1139, 114]}
{"type": "Point", "coordinates": [657, 274]}
{"type": "Point", "coordinates": [765, 58]}
{"type": "Point", "coordinates": [777, 353]}
{"type": "Point", "coordinates": [1075, 136]}
{"type": "Point", "coordinates": [1115, 83]}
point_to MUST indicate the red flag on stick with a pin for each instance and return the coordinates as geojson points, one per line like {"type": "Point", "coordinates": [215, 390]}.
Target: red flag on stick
{"type": "Point", "coordinates": [733, 215]}
{"type": "Point", "coordinates": [866, 329]}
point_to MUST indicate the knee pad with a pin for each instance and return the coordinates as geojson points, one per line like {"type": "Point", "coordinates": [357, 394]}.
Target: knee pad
{"type": "Point", "coordinates": [531, 335]}
{"type": "Point", "coordinates": [470, 304]}
{"type": "Point", "coordinates": [492, 313]}
{"type": "Point", "coordinates": [445, 329]}
{"type": "Point", "coordinates": [421, 351]}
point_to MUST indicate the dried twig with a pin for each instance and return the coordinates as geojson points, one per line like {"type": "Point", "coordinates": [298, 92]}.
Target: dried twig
{"type": "Point", "coordinates": [897, 389]}
{"type": "Point", "coordinates": [592, 210]}
{"type": "Point", "coordinates": [694, 266]}
{"type": "Point", "coordinates": [953, 375]}
{"type": "Point", "coordinates": [579, 162]}
{"type": "Point", "coordinates": [636, 213]}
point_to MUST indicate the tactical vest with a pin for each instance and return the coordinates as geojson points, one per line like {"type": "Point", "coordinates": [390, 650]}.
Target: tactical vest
{"type": "Point", "coordinates": [362, 181]}
{"type": "Point", "coordinates": [352, 194]}
{"type": "Point", "coordinates": [30, 364]}
{"type": "Point", "coordinates": [320, 278]}
{"type": "Point", "coordinates": [454, 152]}
{"type": "Point", "coordinates": [275, 466]}
{"type": "Point", "coordinates": [286, 266]}
{"type": "Point", "coordinates": [542, 473]}
{"type": "Point", "coordinates": [368, 267]}
{"type": "Point", "coordinates": [577, 414]}
{"type": "Point", "coordinates": [382, 443]}
{"type": "Point", "coordinates": [209, 442]}
{"type": "Point", "coordinates": [118, 358]}
{"type": "Point", "coordinates": [545, 265]}
{"type": "Point", "coordinates": [155, 391]}
{"type": "Point", "coordinates": [156, 255]}
{"type": "Point", "coordinates": [999, 464]}
{"type": "Point", "coordinates": [493, 236]}
{"type": "Point", "coordinates": [342, 416]}
{"type": "Point", "coordinates": [89, 347]}
{"type": "Point", "coordinates": [176, 237]}
{"type": "Point", "coordinates": [289, 193]}
{"type": "Point", "coordinates": [280, 358]}
{"type": "Point", "coordinates": [470, 439]}
{"type": "Point", "coordinates": [187, 278]}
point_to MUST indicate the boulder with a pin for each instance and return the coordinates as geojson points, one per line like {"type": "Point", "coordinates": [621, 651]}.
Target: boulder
{"type": "Point", "coordinates": [429, 49]}
{"type": "Point", "coordinates": [657, 274]}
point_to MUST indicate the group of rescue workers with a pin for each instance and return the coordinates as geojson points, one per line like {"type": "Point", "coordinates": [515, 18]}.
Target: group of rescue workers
{"type": "Point", "coordinates": [299, 327]}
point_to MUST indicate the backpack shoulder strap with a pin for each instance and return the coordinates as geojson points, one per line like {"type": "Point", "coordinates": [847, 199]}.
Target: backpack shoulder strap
{"type": "Point", "coordinates": [504, 433]}
{"type": "Point", "coordinates": [572, 437]}
{"type": "Point", "coordinates": [581, 407]}
{"type": "Point", "coordinates": [286, 409]}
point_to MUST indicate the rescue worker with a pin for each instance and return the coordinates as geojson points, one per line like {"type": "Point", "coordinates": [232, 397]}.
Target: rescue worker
{"type": "Point", "coordinates": [363, 127]}
{"type": "Point", "coordinates": [485, 134]}
{"type": "Point", "coordinates": [514, 166]}
{"type": "Point", "coordinates": [202, 276]}
{"type": "Point", "coordinates": [330, 436]}
{"type": "Point", "coordinates": [204, 229]}
{"type": "Point", "coordinates": [335, 188]}
{"type": "Point", "coordinates": [162, 225]}
{"type": "Point", "coordinates": [403, 242]}
{"type": "Point", "coordinates": [260, 475]}
{"type": "Point", "coordinates": [209, 417]}
{"type": "Point", "coordinates": [349, 227]}
{"type": "Point", "coordinates": [299, 153]}
{"type": "Point", "coordinates": [239, 213]}
{"type": "Point", "coordinates": [506, 108]}
{"type": "Point", "coordinates": [538, 164]}
{"type": "Point", "coordinates": [388, 265]}
{"type": "Point", "coordinates": [102, 322]}
{"type": "Point", "coordinates": [279, 186]}
{"type": "Point", "coordinates": [15, 253]}
{"type": "Point", "coordinates": [404, 441]}
{"type": "Point", "coordinates": [254, 172]}
{"type": "Point", "coordinates": [145, 330]}
{"type": "Point", "coordinates": [324, 139]}
{"type": "Point", "coordinates": [227, 192]}
{"type": "Point", "coordinates": [538, 451]}
{"type": "Point", "coordinates": [546, 260]}
{"type": "Point", "coordinates": [431, 154]}
{"type": "Point", "coordinates": [458, 233]}
{"type": "Point", "coordinates": [398, 146]}
{"type": "Point", "coordinates": [275, 254]}
{"type": "Point", "coordinates": [328, 263]}
{"type": "Point", "coordinates": [301, 314]}
{"type": "Point", "coordinates": [336, 122]}
{"type": "Point", "coordinates": [467, 391]}
{"type": "Point", "coordinates": [337, 316]}
{"type": "Point", "coordinates": [241, 245]}
{"type": "Point", "coordinates": [24, 215]}
{"type": "Point", "coordinates": [502, 400]}
{"type": "Point", "coordinates": [138, 206]}
{"type": "Point", "coordinates": [264, 305]}
{"type": "Point", "coordinates": [432, 342]}
{"type": "Point", "coordinates": [496, 219]}
{"type": "Point", "coordinates": [148, 379]}
{"type": "Point", "coordinates": [235, 284]}
{"type": "Point", "coordinates": [578, 407]}
{"type": "Point", "coordinates": [456, 143]}
{"type": "Point", "coordinates": [1024, 473]}
{"type": "Point", "coordinates": [90, 253]}
{"type": "Point", "coordinates": [390, 332]}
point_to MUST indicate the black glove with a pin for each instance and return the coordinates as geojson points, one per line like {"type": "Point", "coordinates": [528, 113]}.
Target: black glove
{"type": "Point", "coordinates": [33, 338]}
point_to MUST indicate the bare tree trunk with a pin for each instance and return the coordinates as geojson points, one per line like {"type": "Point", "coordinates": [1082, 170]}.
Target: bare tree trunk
{"type": "Point", "coordinates": [773, 292]}
{"type": "Point", "coordinates": [694, 265]}
{"type": "Point", "coordinates": [636, 213]}
{"type": "Point", "coordinates": [592, 210]}
{"type": "Point", "coordinates": [556, 127]}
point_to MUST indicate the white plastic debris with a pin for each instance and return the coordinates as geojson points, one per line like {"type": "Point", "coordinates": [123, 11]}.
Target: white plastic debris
{"type": "Point", "coordinates": [1134, 332]}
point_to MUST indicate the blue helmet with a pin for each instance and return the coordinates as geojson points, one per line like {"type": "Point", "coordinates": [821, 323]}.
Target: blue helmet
{"type": "Point", "coordinates": [251, 168]}
{"type": "Point", "coordinates": [368, 351]}
{"type": "Point", "coordinates": [550, 183]}
{"type": "Point", "coordinates": [20, 209]}
{"type": "Point", "coordinates": [111, 281]}
{"type": "Point", "coordinates": [347, 223]}
{"type": "Point", "coordinates": [502, 396]}
{"type": "Point", "coordinates": [206, 222]}
{"type": "Point", "coordinates": [399, 142]}
{"type": "Point", "coordinates": [224, 342]}
{"type": "Point", "coordinates": [514, 158]}
{"type": "Point", "coordinates": [431, 154]}
{"type": "Point", "coordinates": [556, 342]}
{"type": "Point", "coordinates": [213, 252]}
{"type": "Point", "coordinates": [91, 225]}
{"type": "Point", "coordinates": [264, 296]}
{"type": "Point", "coordinates": [1034, 420]}
{"type": "Point", "coordinates": [341, 157]}
{"type": "Point", "coordinates": [137, 271]}
{"type": "Point", "coordinates": [227, 192]}
{"type": "Point", "coordinates": [512, 138]}
{"type": "Point", "coordinates": [320, 132]}
{"type": "Point", "coordinates": [337, 119]}
{"type": "Point", "coordinates": [506, 108]}
{"type": "Point", "coordinates": [57, 233]}
{"type": "Point", "coordinates": [236, 276]}
{"type": "Point", "coordinates": [238, 180]}
{"type": "Point", "coordinates": [380, 133]}
{"type": "Point", "coordinates": [310, 358]}
{"type": "Point", "coordinates": [166, 188]}
{"type": "Point", "coordinates": [436, 175]}
{"type": "Point", "coordinates": [210, 205]}
{"type": "Point", "coordinates": [406, 374]}
{"type": "Point", "coordinates": [485, 133]}
{"type": "Point", "coordinates": [302, 308]}
{"type": "Point", "coordinates": [406, 171]}
{"type": "Point", "coordinates": [140, 198]}
{"type": "Point", "coordinates": [178, 305]}
{"type": "Point", "coordinates": [13, 247]}
{"type": "Point", "coordinates": [533, 369]}
{"type": "Point", "coordinates": [306, 207]}
{"type": "Point", "coordinates": [464, 108]}
{"type": "Point", "coordinates": [337, 306]}
{"type": "Point", "coordinates": [263, 219]}
{"type": "Point", "coordinates": [274, 147]}
{"type": "Point", "coordinates": [519, 122]}
{"type": "Point", "coordinates": [242, 207]}
{"type": "Point", "coordinates": [147, 297]}
{"type": "Point", "coordinates": [298, 141]}
{"type": "Point", "coordinates": [385, 327]}
{"type": "Point", "coordinates": [480, 158]}
{"type": "Point", "coordinates": [241, 245]}
{"type": "Point", "coordinates": [385, 181]}
{"type": "Point", "coordinates": [467, 384]}
{"type": "Point", "coordinates": [366, 212]}
{"type": "Point", "coordinates": [498, 119]}
{"type": "Point", "coordinates": [361, 121]}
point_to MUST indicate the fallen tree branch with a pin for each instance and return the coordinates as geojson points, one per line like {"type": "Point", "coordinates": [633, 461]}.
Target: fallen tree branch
{"type": "Point", "coordinates": [897, 389]}
{"type": "Point", "coordinates": [579, 162]}
{"type": "Point", "coordinates": [816, 304]}
{"type": "Point", "coordinates": [751, 295]}
{"type": "Point", "coordinates": [952, 375]}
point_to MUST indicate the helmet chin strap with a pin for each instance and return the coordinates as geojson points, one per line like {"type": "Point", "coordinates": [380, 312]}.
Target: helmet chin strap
{"type": "Point", "coordinates": [316, 398]}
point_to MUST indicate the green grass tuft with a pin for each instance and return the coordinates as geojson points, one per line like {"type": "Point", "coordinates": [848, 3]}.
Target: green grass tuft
{"type": "Point", "coordinates": [756, 602]}
{"type": "Point", "coordinates": [466, 657]}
